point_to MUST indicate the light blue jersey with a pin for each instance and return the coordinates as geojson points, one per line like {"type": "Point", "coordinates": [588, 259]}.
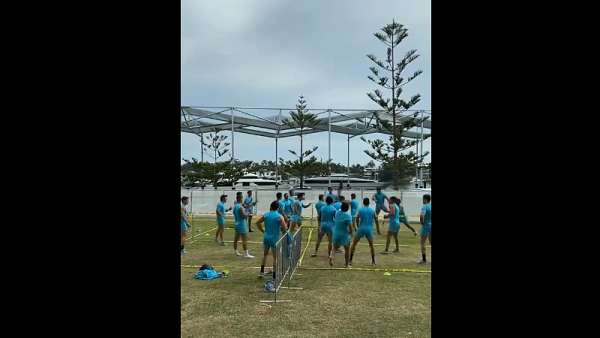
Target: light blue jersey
{"type": "Point", "coordinates": [365, 227]}
{"type": "Point", "coordinates": [287, 206]}
{"type": "Point", "coordinates": [394, 224]}
{"type": "Point", "coordinates": [296, 215]}
{"type": "Point", "coordinates": [354, 207]}
{"type": "Point", "coordinates": [241, 226]}
{"type": "Point", "coordinates": [333, 196]}
{"type": "Point", "coordinates": [327, 218]}
{"type": "Point", "coordinates": [341, 236]}
{"type": "Point", "coordinates": [337, 205]}
{"type": "Point", "coordinates": [379, 200]}
{"type": "Point", "coordinates": [426, 226]}
{"type": "Point", "coordinates": [272, 226]}
{"type": "Point", "coordinates": [221, 210]}
{"type": "Point", "coordinates": [249, 202]}
{"type": "Point", "coordinates": [426, 212]}
{"type": "Point", "coordinates": [318, 206]}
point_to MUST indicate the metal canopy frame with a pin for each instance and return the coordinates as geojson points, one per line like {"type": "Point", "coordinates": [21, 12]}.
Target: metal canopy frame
{"type": "Point", "coordinates": [351, 122]}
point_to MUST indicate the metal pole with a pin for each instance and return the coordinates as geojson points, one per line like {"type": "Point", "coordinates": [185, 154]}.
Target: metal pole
{"type": "Point", "coordinates": [276, 151]}
{"type": "Point", "coordinates": [329, 146]}
{"type": "Point", "coordinates": [417, 169]}
{"type": "Point", "coordinates": [421, 169]}
{"type": "Point", "coordinates": [201, 147]}
{"type": "Point", "coordinates": [348, 167]}
{"type": "Point", "coordinates": [232, 137]}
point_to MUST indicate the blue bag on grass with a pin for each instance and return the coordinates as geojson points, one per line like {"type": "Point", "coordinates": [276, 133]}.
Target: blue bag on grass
{"type": "Point", "coordinates": [207, 274]}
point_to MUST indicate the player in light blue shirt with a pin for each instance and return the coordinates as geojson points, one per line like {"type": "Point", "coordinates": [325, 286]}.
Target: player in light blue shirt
{"type": "Point", "coordinates": [185, 222]}
{"type": "Point", "coordinates": [365, 219]}
{"type": "Point", "coordinates": [395, 216]}
{"type": "Point", "coordinates": [274, 223]}
{"type": "Point", "coordinates": [280, 205]}
{"type": "Point", "coordinates": [221, 210]}
{"type": "Point", "coordinates": [380, 199]}
{"type": "Point", "coordinates": [338, 205]}
{"type": "Point", "coordinates": [425, 220]}
{"type": "Point", "coordinates": [326, 226]}
{"type": "Point", "coordinates": [241, 226]}
{"type": "Point", "coordinates": [248, 205]}
{"type": "Point", "coordinates": [341, 233]}
{"type": "Point", "coordinates": [318, 207]}
{"type": "Point", "coordinates": [329, 192]}
{"type": "Point", "coordinates": [287, 205]}
{"type": "Point", "coordinates": [296, 215]}
{"type": "Point", "coordinates": [354, 205]}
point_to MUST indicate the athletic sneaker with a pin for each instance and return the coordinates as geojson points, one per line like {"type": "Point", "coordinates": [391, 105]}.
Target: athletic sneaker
{"type": "Point", "coordinates": [183, 252]}
{"type": "Point", "coordinates": [222, 243]}
{"type": "Point", "coordinates": [237, 253]}
{"type": "Point", "coordinates": [422, 262]}
{"type": "Point", "coordinates": [314, 254]}
{"type": "Point", "coordinates": [247, 255]}
{"type": "Point", "coordinates": [384, 252]}
{"type": "Point", "coordinates": [396, 251]}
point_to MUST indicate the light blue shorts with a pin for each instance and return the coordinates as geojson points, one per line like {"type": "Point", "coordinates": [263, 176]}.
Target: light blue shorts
{"type": "Point", "coordinates": [184, 227]}
{"type": "Point", "coordinates": [394, 227]}
{"type": "Point", "coordinates": [241, 228]}
{"type": "Point", "coordinates": [341, 239]}
{"type": "Point", "coordinates": [326, 228]}
{"type": "Point", "coordinates": [364, 232]}
{"type": "Point", "coordinates": [269, 242]}
{"type": "Point", "coordinates": [426, 230]}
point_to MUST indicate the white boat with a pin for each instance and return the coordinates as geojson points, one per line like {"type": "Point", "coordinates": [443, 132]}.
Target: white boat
{"type": "Point", "coordinates": [336, 179]}
{"type": "Point", "coordinates": [252, 180]}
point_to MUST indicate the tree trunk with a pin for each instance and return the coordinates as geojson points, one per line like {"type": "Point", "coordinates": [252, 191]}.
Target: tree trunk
{"type": "Point", "coordinates": [301, 160]}
{"type": "Point", "coordinates": [394, 140]}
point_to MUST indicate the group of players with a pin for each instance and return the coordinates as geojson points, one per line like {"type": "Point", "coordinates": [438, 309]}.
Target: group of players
{"type": "Point", "coordinates": [342, 221]}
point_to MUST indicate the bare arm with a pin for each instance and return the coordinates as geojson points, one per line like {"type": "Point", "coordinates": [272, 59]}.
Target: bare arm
{"type": "Point", "coordinates": [306, 206]}
{"type": "Point", "coordinates": [283, 223]}
{"type": "Point", "coordinates": [259, 222]}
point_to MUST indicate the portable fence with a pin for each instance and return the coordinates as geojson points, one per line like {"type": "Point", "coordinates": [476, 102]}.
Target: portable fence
{"type": "Point", "coordinates": [287, 250]}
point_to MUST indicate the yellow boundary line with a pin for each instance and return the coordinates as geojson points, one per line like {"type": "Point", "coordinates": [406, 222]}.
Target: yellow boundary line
{"type": "Point", "coordinates": [196, 235]}
{"type": "Point", "coordinates": [306, 247]}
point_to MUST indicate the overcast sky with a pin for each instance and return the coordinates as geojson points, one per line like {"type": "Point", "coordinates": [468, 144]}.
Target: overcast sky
{"type": "Point", "coordinates": [265, 53]}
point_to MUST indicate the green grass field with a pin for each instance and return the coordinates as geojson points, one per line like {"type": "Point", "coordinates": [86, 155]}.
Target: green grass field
{"type": "Point", "coordinates": [332, 303]}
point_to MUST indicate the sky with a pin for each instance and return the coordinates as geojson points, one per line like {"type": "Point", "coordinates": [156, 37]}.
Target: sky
{"type": "Point", "coordinates": [265, 53]}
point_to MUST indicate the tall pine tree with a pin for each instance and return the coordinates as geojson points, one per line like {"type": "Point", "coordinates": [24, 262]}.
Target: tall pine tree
{"type": "Point", "coordinates": [388, 153]}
